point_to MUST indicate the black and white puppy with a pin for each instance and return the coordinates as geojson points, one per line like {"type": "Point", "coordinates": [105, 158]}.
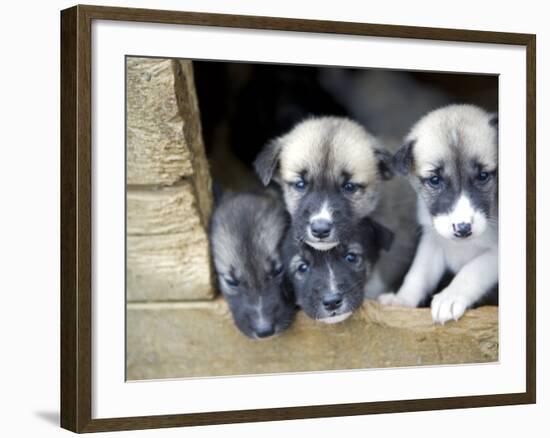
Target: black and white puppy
{"type": "Point", "coordinates": [330, 170]}
{"type": "Point", "coordinates": [329, 285]}
{"type": "Point", "coordinates": [246, 234]}
{"type": "Point", "coordinates": [451, 159]}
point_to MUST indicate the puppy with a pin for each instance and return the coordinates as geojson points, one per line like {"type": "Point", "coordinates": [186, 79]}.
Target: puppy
{"type": "Point", "coordinates": [329, 285]}
{"type": "Point", "coordinates": [330, 170]}
{"type": "Point", "coordinates": [451, 160]}
{"type": "Point", "coordinates": [246, 234]}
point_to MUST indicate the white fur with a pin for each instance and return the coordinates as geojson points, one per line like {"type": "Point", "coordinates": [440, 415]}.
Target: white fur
{"type": "Point", "coordinates": [323, 213]}
{"type": "Point", "coordinates": [463, 211]}
{"type": "Point", "coordinates": [322, 246]}
{"type": "Point", "coordinates": [466, 125]}
{"type": "Point", "coordinates": [475, 263]}
{"type": "Point", "coordinates": [332, 281]}
{"type": "Point", "coordinates": [352, 146]}
{"type": "Point", "coordinates": [473, 260]}
{"type": "Point", "coordinates": [335, 319]}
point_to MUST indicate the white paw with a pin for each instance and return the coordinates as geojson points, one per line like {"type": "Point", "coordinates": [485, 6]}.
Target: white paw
{"type": "Point", "coordinates": [448, 306]}
{"type": "Point", "coordinates": [393, 299]}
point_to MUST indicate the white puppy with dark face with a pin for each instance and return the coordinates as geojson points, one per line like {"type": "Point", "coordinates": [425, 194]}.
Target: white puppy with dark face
{"type": "Point", "coordinates": [451, 160]}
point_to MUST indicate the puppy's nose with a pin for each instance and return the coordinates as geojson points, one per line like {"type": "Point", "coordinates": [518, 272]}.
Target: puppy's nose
{"type": "Point", "coordinates": [332, 301]}
{"type": "Point", "coordinates": [321, 228]}
{"type": "Point", "coordinates": [265, 331]}
{"type": "Point", "coordinates": [463, 229]}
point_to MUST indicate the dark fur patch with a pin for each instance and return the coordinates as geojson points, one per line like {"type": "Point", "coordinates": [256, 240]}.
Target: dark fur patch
{"type": "Point", "coordinates": [385, 165]}
{"type": "Point", "coordinates": [456, 181]}
{"type": "Point", "coordinates": [403, 158]}
{"type": "Point", "coordinates": [350, 277]}
{"type": "Point", "coordinates": [342, 217]}
{"type": "Point", "coordinates": [382, 236]}
{"type": "Point", "coordinates": [267, 161]}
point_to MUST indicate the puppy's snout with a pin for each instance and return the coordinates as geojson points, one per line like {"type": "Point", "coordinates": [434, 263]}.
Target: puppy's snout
{"type": "Point", "coordinates": [463, 229]}
{"type": "Point", "coordinates": [265, 331]}
{"type": "Point", "coordinates": [332, 301]}
{"type": "Point", "coordinates": [321, 228]}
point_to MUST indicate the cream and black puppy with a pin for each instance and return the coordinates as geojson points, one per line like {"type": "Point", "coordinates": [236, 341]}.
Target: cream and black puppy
{"type": "Point", "coordinates": [329, 285]}
{"type": "Point", "coordinates": [451, 159]}
{"type": "Point", "coordinates": [246, 235]}
{"type": "Point", "coordinates": [330, 170]}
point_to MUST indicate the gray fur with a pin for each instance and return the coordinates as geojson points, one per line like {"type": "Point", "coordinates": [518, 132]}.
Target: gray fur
{"type": "Point", "coordinates": [246, 234]}
{"type": "Point", "coordinates": [396, 211]}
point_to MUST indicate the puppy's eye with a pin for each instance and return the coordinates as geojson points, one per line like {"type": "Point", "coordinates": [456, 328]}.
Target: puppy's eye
{"type": "Point", "coordinates": [350, 187]}
{"type": "Point", "coordinates": [231, 282]}
{"type": "Point", "coordinates": [303, 267]}
{"type": "Point", "coordinates": [300, 185]}
{"type": "Point", "coordinates": [435, 181]}
{"type": "Point", "coordinates": [277, 271]}
{"type": "Point", "coordinates": [483, 176]}
{"type": "Point", "coordinates": [351, 257]}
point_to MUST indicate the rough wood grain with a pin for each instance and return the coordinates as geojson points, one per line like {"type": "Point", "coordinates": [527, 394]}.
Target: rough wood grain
{"type": "Point", "coordinates": [157, 152]}
{"type": "Point", "coordinates": [169, 267]}
{"type": "Point", "coordinates": [168, 184]}
{"type": "Point", "coordinates": [200, 339]}
{"type": "Point", "coordinates": [168, 254]}
{"type": "Point", "coordinates": [188, 107]}
{"type": "Point", "coordinates": [164, 137]}
{"type": "Point", "coordinates": [163, 210]}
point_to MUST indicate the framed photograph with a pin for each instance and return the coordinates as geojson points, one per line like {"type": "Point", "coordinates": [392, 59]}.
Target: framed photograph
{"type": "Point", "coordinates": [267, 218]}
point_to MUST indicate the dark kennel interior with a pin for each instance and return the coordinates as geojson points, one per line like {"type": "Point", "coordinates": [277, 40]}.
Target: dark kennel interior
{"type": "Point", "coordinates": [243, 105]}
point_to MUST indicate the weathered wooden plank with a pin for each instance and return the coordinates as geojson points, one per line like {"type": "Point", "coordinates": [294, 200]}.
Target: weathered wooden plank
{"type": "Point", "coordinates": [163, 210]}
{"type": "Point", "coordinates": [188, 106]}
{"type": "Point", "coordinates": [164, 138]}
{"type": "Point", "coordinates": [200, 339]}
{"type": "Point", "coordinates": [169, 187]}
{"type": "Point", "coordinates": [169, 267]}
{"type": "Point", "coordinates": [157, 152]}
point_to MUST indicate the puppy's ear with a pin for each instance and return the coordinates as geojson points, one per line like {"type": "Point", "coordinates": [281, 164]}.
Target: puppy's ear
{"type": "Point", "coordinates": [267, 161]}
{"type": "Point", "coordinates": [383, 236]}
{"type": "Point", "coordinates": [384, 163]}
{"type": "Point", "coordinates": [493, 122]}
{"type": "Point", "coordinates": [403, 158]}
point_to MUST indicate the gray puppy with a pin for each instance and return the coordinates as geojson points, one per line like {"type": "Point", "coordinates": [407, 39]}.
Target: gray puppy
{"type": "Point", "coordinates": [329, 284]}
{"type": "Point", "coordinates": [246, 234]}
